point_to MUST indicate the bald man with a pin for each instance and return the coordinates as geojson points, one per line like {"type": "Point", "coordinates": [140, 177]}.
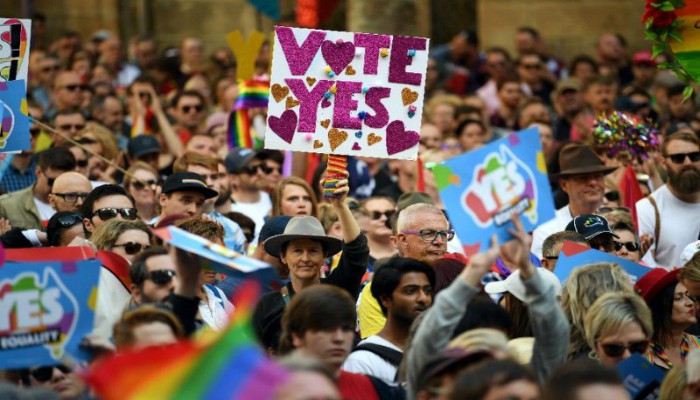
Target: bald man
{"type": "Point", "coordinates": [69, 191]}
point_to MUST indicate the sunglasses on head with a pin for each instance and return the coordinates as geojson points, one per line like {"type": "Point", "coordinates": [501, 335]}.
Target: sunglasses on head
{"type": "Point", "coordinates": [139, 185]}
{"type": "Point", "coordinates": [630, 246]}
{"type": "Point", "coordinates": [161, 276]}
{"type": "Point", "coordinates": [378, 214]}
{"type": "Point", "coordinates": [110, 212]}
{"type": "Point", "coordinates": [44, 374]}
{"type": "Point", "coordinates": [69, 220]}
{"type": "Point", "coordinates": [679, 158]}
{"type": "Point", "coordinates": [197, 108]}
{"type": "Point", "coordinates": [132, 248]}
{"type": "Point", "coordinates": [617, 350]}
{"type": "Point", "coordinates": [71, 197]}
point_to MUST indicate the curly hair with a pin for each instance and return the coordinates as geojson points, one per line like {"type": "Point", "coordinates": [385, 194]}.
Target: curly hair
{"type": "Point", "coordinates": [107, 234]}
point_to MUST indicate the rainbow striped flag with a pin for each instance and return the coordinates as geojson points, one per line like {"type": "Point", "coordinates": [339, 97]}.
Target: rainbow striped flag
{"type": "Point", "coordinates": [228, 366]}
{"type": "Point", "coordinates": [687, 52]}
{"type": "Point", "coordinates": [251, 94]}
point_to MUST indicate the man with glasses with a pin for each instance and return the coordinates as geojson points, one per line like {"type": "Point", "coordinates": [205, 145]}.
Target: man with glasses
{"type": "Point", "coordinates": [66, 93]}
{"type": "Point", "coordinates": [596, 231]}
{"type": "Point", "coordinates": [188, 111]}
{"type": "Point", "coordinates": [29, 208]}
{"type": "Point", "coordinates": [153, 276]}
{"type": "Point", "coordinates": [104, 203]}
{"type": "Point", "coordinates": [59, 379]}
{"type": "Point", "coordinates": [553, 244]}
{"type": "Point", "coordinates": [581, 177]}
{"type": "Point", "coordinates": [247, 178]}
{"type": "Point", "coordinates": [68, 123]}
{"type": "Point", "coordinates": [422, 233]}
{"type": "Point", "coordinates": [69, 191]}
{"type": "Point", "coordinates": [671, 214]}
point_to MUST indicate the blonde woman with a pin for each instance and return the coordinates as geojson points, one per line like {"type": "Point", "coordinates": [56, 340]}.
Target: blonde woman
{"type": "Point", "coordinates": [581, 289]}
{"type": "Point", "coordinates": [128, 238]}
{"type": "Point", "coordinates": [141, 182]}
{"type": "Point", "coordinates": [617, 325]}
{"type": "Point", "coordinates": [294, 197]}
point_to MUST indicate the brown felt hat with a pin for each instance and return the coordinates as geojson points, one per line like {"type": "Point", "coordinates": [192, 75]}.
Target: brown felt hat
{"type": "Point", "coordinates": [578, 159]}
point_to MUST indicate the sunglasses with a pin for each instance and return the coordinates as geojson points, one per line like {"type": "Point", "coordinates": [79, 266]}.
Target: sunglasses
{"type": "Point", "coordinates": [44, 374]}
{"type": "Point", "coordinates": [249, 237]}
{"type": "Point", "coordinates": [82, 163]}
{"type": "Point", "coordinates": [604, 244]}
{"type": "Point", "coordinates": [132, 248]}
{"type": "Point", "coordinates": [161, 276]}
{"type": "Point", "coordinates": [532, 66]}
{"type": "Point", "coordinates": [70, 127]}
{"type": "Point", "coordinates": [74, 87]}
{"type": "Point", "coordinates": [630, 246]}
{"type": "Point", "coordinates": [139, 185]}
{"type": "Point", "coordinates": [611, 209]}
{"type": "Point", "coordinates": [378, 214]}
{"type": "Point", "coordinates": [197, 108]}
{"type": "Point", "coordinates": [49, 180]}
{"type": "Point", "coordinates": [430, 235]}
{"type": "Point", "coordinates": [69, 220]}
{"type": "Point", "coordinates": [145, 96]}
{"type": "Point", "coordinates": [617, 350]}
{"type": "Point", "coordinates": [110, 212]}
{"type": "Point", "coordinates": [51, 68]}
{"type": "Point", "coordinates": [251, 169]}
{"type": "Point", "coordinates": [35, 132]}
{"type": "Point", "coordinates": [679, 158]}
{"type": "Point", "coordinates": [268, 170]}
{"type": "Point", "coordinates": [71, 197]}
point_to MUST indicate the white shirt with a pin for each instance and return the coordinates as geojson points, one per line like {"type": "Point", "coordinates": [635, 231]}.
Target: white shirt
{"type": "Point", "coordinates": [368, 363]}
{"type": "Point", "coordinates": [562, 217]}
{"type": "Point", "coordinates": [256, 211]}
{"type": "Point", "coordinates": [45, 210]}
{"type": "Point", "coordinates": [216, 310]}
{"type": "Point", "coordinates": [680, 225]}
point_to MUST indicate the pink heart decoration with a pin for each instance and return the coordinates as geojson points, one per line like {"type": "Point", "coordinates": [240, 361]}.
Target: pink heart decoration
{"type": "Point", "coordinates": [398, 139]}
{"type": "Point", "coordinates": [325, 103]}
{"type": "Point", "coordinates": [337, 54]}
{"type": "Point", "coordinates": [284, 125]}
{"type": "Point", "coordinates": [513, 140]}
{"type": "Point", "coordinates": [5, 36]}
{"type": "Point", "coordinates": [356, 146]}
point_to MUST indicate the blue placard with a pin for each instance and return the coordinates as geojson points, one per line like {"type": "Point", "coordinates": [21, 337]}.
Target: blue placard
{"type": "Point", "coordinates": [46, 309]}
{"type": "Point", "coordinates": [572, 256]}
{"type": "Point", "coordinates": [482, 188]}
{"type": "Point", "coordinates": [641, 378]}
{"type": "Point", "coordinates": [14, 135]}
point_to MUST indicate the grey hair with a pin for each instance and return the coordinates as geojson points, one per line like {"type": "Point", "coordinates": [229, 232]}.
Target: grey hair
{"type": "Point", "coordinates": [411, 215]}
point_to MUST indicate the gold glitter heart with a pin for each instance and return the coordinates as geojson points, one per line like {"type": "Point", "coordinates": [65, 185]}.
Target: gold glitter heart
{"type": "Point", "coordinates": [318, 144]}
{"type": "Point", "coordinates": [384, 52]}
{"type": "Point", "coordinates": [408, 96]}
{"type": "Point", "coordinates": [350, 70]}
{"type": "Point", "coordinates": [279, 92]}
{"type": "Point", "coordinates": [310, 80]}
{"type": "Point", "coordinates": [291, 103]}
{"type": "Point", "coordinates": [325, 123]}
{"type": "Point", "coordinates": [373, 139]}
{"type": "Point", "coordinates": [336, 137]}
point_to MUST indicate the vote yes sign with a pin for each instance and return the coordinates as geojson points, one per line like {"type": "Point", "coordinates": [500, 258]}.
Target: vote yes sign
{"type": "Point", "coordinates": [346, 93]}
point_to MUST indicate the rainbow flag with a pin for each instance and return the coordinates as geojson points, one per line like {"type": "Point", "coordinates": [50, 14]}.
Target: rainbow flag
{"type": "Point", "coordinates": [228, 366]}
{"type": "Point", "coordinates": [251, 94]}
{"type": "Point", "coordinates": [687, 52]}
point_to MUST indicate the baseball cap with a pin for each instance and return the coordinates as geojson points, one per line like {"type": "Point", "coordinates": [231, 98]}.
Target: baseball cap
{"type": "Point", "coordinates": [515, 286]}
{"type": "Point", "coordinates": [567, 84]}
{"type": "Point", "coordinates": [239, 158]}
{"type": "Point", "coordinates": [643, 57]}
{"type": "Point", "coordinates": [273, 227]}
{"type": "Point", "coordinates": [590, 226]}
{"type": "Point", "coordinates": [689, 251]}
{"type": "Point", "coordinates": [142, 145]}
{"type": "Point", "coordinates": [190, 182]}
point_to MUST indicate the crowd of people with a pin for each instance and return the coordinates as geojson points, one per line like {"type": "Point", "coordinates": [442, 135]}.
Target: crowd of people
{"type": "Point", "coordinates": [378, 299]}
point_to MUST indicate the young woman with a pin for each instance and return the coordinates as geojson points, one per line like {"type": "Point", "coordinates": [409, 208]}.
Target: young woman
{"type": "Point", "coordinates": [141, 183]}
{"type": "Point", "coordinates": [128, 238]}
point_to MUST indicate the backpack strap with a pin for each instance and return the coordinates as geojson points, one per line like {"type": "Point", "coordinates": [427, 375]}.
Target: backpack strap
{"type": "Point", "coordinates": [657, 223]}
{"type": "Point", "coordinates": [392, 356]}
{"type": "Point", "coordinates": [386, 391]}
{"type": "Point", "coordinates": [216, 292]}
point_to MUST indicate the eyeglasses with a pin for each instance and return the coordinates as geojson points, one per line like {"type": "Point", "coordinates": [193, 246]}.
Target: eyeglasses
{"type": "Point", "coordinates": [44, 374]}
{"type": "Point", "coordinates": [71, 127]}
{"type": "Point", "coordinates": [161, 276]}
{"type": "Point", "coordinates": [69, 220]}
{"type": "Point", "coordinates": [630, 246]}
{"type": "Point", "coordinates": [378, 214]}
{"type": "Point", "coordinates": [132, 248]}
{"type": "Point", "coordinates": [139, 185]}
{"type": "Point", "coordinates": [679, 158]}
{"type": "Point", "coordinates": [617, 350]}
{"type": "Point", "coordinates": [251, 169]}
{"type": "Point", "coordinates": [268, 170]}
{"type": "Point", "coordinates": [429, 235]}
{"type": "Point", "coordinates": [71, 197]}
{"type": "Point", "coordinates": [197, 108]}
{"type": "Point", "coordinates": [109, 213]}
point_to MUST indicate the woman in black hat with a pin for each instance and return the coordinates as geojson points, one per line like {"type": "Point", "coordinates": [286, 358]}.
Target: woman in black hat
{"type": "Point", "coordinates": [303, 248]}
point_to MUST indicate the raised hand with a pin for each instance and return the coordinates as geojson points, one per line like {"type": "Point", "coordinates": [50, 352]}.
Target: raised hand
{"type": "Point", "coordinates": [480, 263]}
{"type": "Point", "coordinates": [519, 248]}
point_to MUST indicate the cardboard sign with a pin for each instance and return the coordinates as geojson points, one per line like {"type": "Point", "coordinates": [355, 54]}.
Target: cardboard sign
{"type": "Point", "coordinates": [641, 379]}
{"type": "Point", "coordinates": [14, 134]}
{"type": "Point", "coordinates": [574, 255]}
{"type": "Point", "coordinates": [346, 93]}
{"type": "Point", "coordinates": [482, 188]}
{"type": "Point", "coordinates": [15, 36]}
{"type": "Point", "coordinates": [46, 309]}
{"type": "Point", "coordinates": [216, 257]}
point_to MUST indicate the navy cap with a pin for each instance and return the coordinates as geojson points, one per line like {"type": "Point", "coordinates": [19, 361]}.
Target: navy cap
{"type": "Point", "coordinates": [239, 158]}
{"type": "Point", "coordinates": [590, 226]}
{"type": "Point", "coordinates": [142, 145]}
{"type": "Point", "coordinates": [188, 182]}
{"type": "Point", "coordinates": [273, 227]}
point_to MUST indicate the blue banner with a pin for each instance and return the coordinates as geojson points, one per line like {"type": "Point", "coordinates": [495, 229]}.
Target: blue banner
{"type": "Point", "coordinates": [46, 309]}
{"type": "Point", "coordinates": [641, 378]}
{"type": "Point", "coordinates": [574, 255]}
{"type": "Point", "coordinates": [14, 135]}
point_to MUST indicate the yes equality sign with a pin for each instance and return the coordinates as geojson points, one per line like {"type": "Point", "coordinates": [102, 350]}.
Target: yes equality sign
{"type": "Point", "coordinates": [346, 93]}
{"type": "Point", "coordinates": [46, 309]}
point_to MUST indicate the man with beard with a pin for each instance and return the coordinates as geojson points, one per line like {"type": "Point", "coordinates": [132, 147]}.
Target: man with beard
{"type": "Point", "coordinates": [671, 214]}
{"type": "Point", "coordinates": [153, 276]}
{"type": "Point", "coordinates": [404, 289]}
